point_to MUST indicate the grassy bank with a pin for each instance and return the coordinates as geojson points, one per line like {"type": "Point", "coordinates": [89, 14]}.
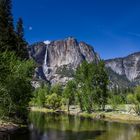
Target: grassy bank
{"type": "Point", "coordinates": [113, 116]}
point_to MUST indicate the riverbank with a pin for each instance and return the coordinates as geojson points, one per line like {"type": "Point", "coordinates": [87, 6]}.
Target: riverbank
{"type": "Point", "coordinates": [6, 128]}
{"type": "Point", "coordinates": [9, 127]}
{"type": "Point", "coordinates": [112, 116]}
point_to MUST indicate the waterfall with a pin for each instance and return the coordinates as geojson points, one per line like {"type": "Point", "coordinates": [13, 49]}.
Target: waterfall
{"type": "Point", "coordinates": [45, 67]}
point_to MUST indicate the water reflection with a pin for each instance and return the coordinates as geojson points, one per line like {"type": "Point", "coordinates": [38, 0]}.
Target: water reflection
{"type": "Point", "coordinates": [64, 127]}
{"type": "Point", "coordinates": [61, 127]}
{"type": "Point", "coordinates": [66, 135]}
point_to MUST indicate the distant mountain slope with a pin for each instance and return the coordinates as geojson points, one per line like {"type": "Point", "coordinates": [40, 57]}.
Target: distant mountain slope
{"type": "Point", "coordinates": [128, 67]}
{"type": "Point", "coordinates": [117, 80]}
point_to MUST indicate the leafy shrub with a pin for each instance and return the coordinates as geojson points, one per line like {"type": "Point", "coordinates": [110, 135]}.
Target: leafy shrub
{"type": "Point", "coordinates": [130, 98]}
{"type": "Point", "coordinates": [57, 88]}
{"type": "Point", "coordinates": [135, 99]}
{"type": "Point", "coordinates": [39, 96]}
{"type": "Point", "coordinates": [114, 101]}
{"type": "Point", "coordinates": [53, 101]}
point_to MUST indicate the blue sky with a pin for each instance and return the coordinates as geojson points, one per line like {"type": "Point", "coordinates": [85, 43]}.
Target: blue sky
{"type": "Point", "coordinates": [112, 27]}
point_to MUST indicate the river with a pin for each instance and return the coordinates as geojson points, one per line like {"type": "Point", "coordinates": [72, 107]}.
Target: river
{"type": "Point", "coordinates": [64, 127]}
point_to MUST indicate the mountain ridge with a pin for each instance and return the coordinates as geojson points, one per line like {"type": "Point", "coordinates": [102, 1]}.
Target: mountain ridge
{"type": "Point", "coordinates": [134, 53]}
{"type": "Point", "coordinates": [128, 66]}
{"type": "Point", "coordinates": [57, 60]}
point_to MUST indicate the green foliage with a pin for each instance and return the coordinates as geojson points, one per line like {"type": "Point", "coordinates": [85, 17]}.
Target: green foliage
{"type": "Point", "coordinates": [48, 97]}
{"type": "Point", "coordinates": [137, 94]}
{"type": "Point", "coordinates": [19, 28]}
{"type": "Point", "coordinates": [39, 96]}
{"type": "Point", "coordinates": [114, 101]}
{"type": "Point", "coordinates": [70, 92]}
{"type": "Point", "coordinates": [53, 101]}
{"type": "Point", "coordinates": [15, 84]}
{"type": "Point", "coordinates": [56, 91]}
{"type": "Point", "coordinates": [84, 78]}
{"type": "Point", "coordinates": [122, 92]}
{"type": "Point", "coordinates": [92, 81]}
{"type": "Point", "coordinates": [15, 75]}
{"type": "Point", "coordinates": [22, 51]}
{"type": "Point", "coordinates": [57, 88]}
{"type": "Point", "coordinates": [130, 98]}
{"type": "Point", "coordinates": [135, 99]}
{"type": "Point", "coordinates": [100, 85]}
{"type": "Point", "coordinates": [11, 40]}
{"type": "Point", "coordinates": [7, 34]}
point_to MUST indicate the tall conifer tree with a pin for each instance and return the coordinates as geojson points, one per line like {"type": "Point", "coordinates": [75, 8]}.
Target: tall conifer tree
{"type": "Point", "coordinates": [7, 34]}
{"type": "Point", "coordinates": [11, 40]}
{"type": "Point", "coordinates": [22, 50]}
{"type": "Point", "coordinates": [19, 28]}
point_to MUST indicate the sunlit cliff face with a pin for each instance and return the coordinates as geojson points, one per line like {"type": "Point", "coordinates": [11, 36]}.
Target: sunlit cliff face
{"type": "Point", "coordinates": [128, 66]}
{"type": "Point", "coordinates": [58, 59]}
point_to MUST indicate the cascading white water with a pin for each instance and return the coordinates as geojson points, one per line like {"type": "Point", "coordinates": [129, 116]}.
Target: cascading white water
{"type": "Point", "coordinates": [45, 67]}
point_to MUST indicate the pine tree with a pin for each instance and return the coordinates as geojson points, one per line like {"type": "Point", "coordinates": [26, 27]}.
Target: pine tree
{"type": "Point", "coordinates": [7, 34]}
{"type": "Point", "coordinates": [22, 50]}
{"type": "Point", "coordinates": [11, 40]}
{"type": "Point", "coordinates": [19, 28]}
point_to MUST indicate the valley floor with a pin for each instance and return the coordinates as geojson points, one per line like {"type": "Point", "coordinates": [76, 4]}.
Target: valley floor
{"type": "Point", "coordinates": [112, 116]}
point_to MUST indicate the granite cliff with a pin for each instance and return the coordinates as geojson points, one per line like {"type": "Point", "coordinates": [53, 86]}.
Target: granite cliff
{"type": "Point", "coordinates": [57, 60]}
{"type": "Point", "coordinates": [128, 67]}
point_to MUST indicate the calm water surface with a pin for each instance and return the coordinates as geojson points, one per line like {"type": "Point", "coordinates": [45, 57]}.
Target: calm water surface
{"type": "Point", "coordinates": [63, 127]}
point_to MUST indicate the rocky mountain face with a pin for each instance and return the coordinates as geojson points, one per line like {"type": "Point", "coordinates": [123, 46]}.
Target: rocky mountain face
{"type": "Point", "coordinates": [57, 60]}
{"type": "Point", "coordinates": [119, 81]}
{"type": "Point", "coordinates": [128, 67]}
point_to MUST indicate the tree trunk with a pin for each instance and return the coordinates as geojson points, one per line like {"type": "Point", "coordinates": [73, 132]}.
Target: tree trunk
{"type": "Point", "coordinates": [68, 106]}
